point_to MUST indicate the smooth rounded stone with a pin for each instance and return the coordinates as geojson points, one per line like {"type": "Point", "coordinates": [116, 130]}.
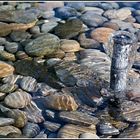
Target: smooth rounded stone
{"type": "Point", "coordinates": [120, 14]}
{"type": "Point", "coordinates": [11, 47]}
{"type": "Point", "coordinates": [88, 135]}
{"type": "Point", "coordinates": [124, 25]}
{"type": "Point", "coordinates": [2, 96]}
{"type": "Point", "coordinates": [6, 56]}
{"type": "Point", "coordinates": [79, 6]}
{"type": "Point", "coordinates": [88, 43]}
{"type": "Point", "coordinates": [66, 12]}
{"type": "Point", "coordinates": [21, 55]}
{"type": "Point", "coordinates": [137, 18]}
{"type": "Point", "coordinates": [69, 29]}
{"type": "Point", "coordinates": [34, 114]}
{"type": "Point", "coordinates": [38, 71]}
{"type": "Point", "coordinates": [136, 12]}
{"type": "Point", "coordinates": [6, 121]}
{"type": "Point", "coordinates": [105, 128]}
{"type": "Point", "coordinates": [95, 10]}
{"type": "Point", "coordinates": [69, 45]}
{"type": "Point", "coordinates": [44, 45]}
{"type": "Point", "coordinates": [51, 126]}
{"type": "Point", "coordinates": [9, 130]}
{"type": "Point", "coordinates": [111, 25]}
{"type": "Point", "coordinates": [131, 132]}
{"type": "Point", "coordinates": [47, 5]}
{"type": "Point", "coordinates": [28, 84]}
{"type": "Point", "coordinates": [18, 16]}
{"type": "Point", "coordinates": [12, 79]}
{"type": "Point", "coordinates": [102, 34]}
{"type": "Point", "coordinates": [30, 130]}
{"type": "Point", "coordinates": [23, 6]}
{"type": "Point", "coordinates": [58, 54]}
{"type": "Point", "coordinates": [109, 5]}
{"type": "Point", "coordinates": [1, 48]}
{"type": "Point", "coordinates": [3, 40]}
{"type": "Point", "coordinates": [41, 135]}
{"type": "Point", "coordinates": [4, 32]}
{"type": "Point", "coordinates": [60, 102]}
{"type": "Point", "coordinates": [48, 26]}
{"type": "Point", "coordinates": [48, 14]}
{"type": "Point", "coordinates": [73, 131]}
{"type": "Point", "coordinates": [7, 88]}
{"type": "Point", "coordinates": [6, 8]}
{"type": "Point", "coordinates": [53, 61]}
{"type": "Point", "coordinates": [35, 30]}
{"type": "Point", "coordinates": [70, 56]}
{"type": "Point", "coordinates": [17, 99]}
{"type": "Point", "coordinates": [130, 19]}
{"type": "Point", "coordinates": [78, 118]}
{"type": "Point", "coordinates": [5, 69]}
{"type": "Point", "coordinates": [19, 36]}
{"type": "Point", "coordinates": [92, 19]}
{"type": "Point", "coordinates": [45, 89]}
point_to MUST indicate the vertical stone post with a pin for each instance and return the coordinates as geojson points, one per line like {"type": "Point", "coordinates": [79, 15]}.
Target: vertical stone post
{"type": "Point", "coordinates": [124, 49]}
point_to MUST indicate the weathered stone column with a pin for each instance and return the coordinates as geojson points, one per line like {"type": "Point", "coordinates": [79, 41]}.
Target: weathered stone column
{"type": "Point", "coordinates": [124, 49]}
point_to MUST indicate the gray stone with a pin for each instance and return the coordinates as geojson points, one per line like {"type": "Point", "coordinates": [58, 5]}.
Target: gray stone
{"type": "Point", "coordinates": [11, 47]}
{"type": "Point", "coordinates": [6, 121]}
{"type": "Point", "coordinates": [44, 45]}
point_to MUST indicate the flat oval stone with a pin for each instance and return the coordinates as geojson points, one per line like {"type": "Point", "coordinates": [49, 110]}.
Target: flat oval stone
{"type": "Point", "coordinates": [31, 130]}
{"type": "Point", "coordinates": [69, 45]}
{"type": "Point", "coordinates": [60, 102]}
{"type": "Point", "coordinates": [73, 131]}
{"type": "Point", "coordinates": [28, 84]}
{"type": "Point", "coordinates": [44, 45]}
{"type": "Point", "coordinates": [78, 118]}
{"type": "Point", "coordinates": [69, 29]}
{"type": "Point", "coordinates": [9, 130]}
{"type": "Point", "coordinates": [51, 126]}
{"type": "Point", "coordinates": [11, 47]}
{"type": "Point", "coordinates": [7, 88]}
{"type": "Point", "coordinates": [34, 114]}
{"type": "Point", "coordinates": [6, 121]}
{"type": "Point", "coordinates": [18, 99]}
{"type": "Point", "coordinates": [5, 69]}
{"type": "Point", "coordinates": [6, 56]}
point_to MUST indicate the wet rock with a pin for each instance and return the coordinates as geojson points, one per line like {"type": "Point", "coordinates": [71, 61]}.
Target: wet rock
{"type": "Point", "coordinates": [69, 45]}
{"type": "Point", "coordinates": [9, 130]}
{"type": "Point", "coordinates": [52, 135]}
{"type": "Point", "coordinates": [6, 121]}
{"type": "Point", "coordinates": [2, 96]}
{"type": "Point", "coordinates": [69, 29]}
{"type": "Point", "coordinates": [107, 129]}
{"type": "Point", "coordinates": [20, 118]}
{"type": "Point", "coordinates": [5, 69]}
{"type": "Point", "coordinates": [88, 135]}
{"type": "Point", "coordinates": [12, 79]}
{"type": "Point", "coordinates": [38, 71]}
{"type": "Point", "coordinates": [66, 12]}
{"type": "Point", "coordinates": [43, 45]}
{"type": "Point", "coordinates": [78, 118]}
{"type": "Point", "coordinates": [108, 5]}
{"type": "Point", "coordinates": [1, 48]}
{"type": "Point", "coordinates": [79, 6]}
{"type": "Point", "coordinates": [73, 131]}
{"type": "Point", "coordinates": [18, 99]}
{"type": "Point", "coordinates": [60, 102]}
{"type": "Point", "coordinates": [11, 47]}
{"type": "Point", "coordinates": [7, 88]}
{"type": "Point", "coordinates": [5, 56]}
{"type": "Point", "coordinates": [95, 10]}
{"type": "Point", "coordinates": [92, 19]}
{"type": "Point", "coordinates": [111, 25]}
{"type": "Point", "coordinates": [35, 30]}
{"type": "Point", "coordinates": [121, 14]}
{"type": "Point", "coordinates": [70, 57]}
{"type": "Point", "coordinates": [53, 61]}
{"type": "Point", "coordinates": [21, 55]}
{"type": "Point", "coordinates": [51, 126]}
{"type": "Point", "coordinates": [45, 89]}
{"type": "Point", "coordinates": [34, 114]}
{"type": "Point", "coordinates": [58, 54]}
{"type": "Point", "coordinates": [48, 26]}
{"type": "Point", "coordinates": [102, 34]}
{"type": "Point", "coordinates": [19, 36]}
{"type": "Point", "coordinates": [48, 14]}
{"type": "Point", "coordinates": [31, 130]}
{"type": "Point", "coordinates": [28, 84]}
